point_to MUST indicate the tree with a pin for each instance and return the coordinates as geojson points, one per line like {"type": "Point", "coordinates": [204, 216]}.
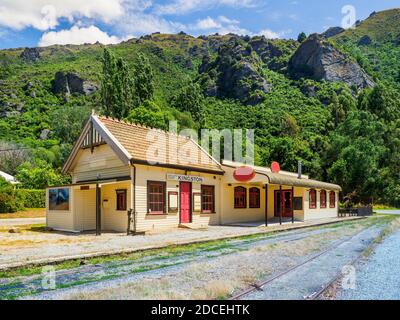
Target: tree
{"type": "Point", "coordinates": [12, 156]}
{"type": "Point", "coordinates": [190, 99]}
{"type": "Point", "coordinates": [149, 114]}
{"type": "Point", "coordinates": [8, 200]}
{"type": "Point", "coordinates": [356, 155]}
{"type": "Point", "coordinates": [301, 37]}
{"type": "Point", "coordinates": [39, 176]}
{"type": "Point", "coordinates": [144, 79]}
{"type": "Point", "coordinates": [118, 86]}
{"type": "Point", "coordinates": [289, 125]}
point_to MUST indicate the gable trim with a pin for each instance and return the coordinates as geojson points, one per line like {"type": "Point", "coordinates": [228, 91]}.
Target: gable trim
{"type": "Point", "coordinates": [109, 138]}
{"type": "Point", "coordinates": [76, 147]}
{"type": "Point", "coordinates": [111, 141]}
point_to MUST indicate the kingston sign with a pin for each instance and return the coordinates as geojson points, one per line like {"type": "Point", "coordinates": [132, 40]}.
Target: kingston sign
{"type": "Point", "coordinates": [180, 177]}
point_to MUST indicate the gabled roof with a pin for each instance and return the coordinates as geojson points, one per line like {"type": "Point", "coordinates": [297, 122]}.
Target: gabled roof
{"type": "Point", "coordinates": [137, 144]}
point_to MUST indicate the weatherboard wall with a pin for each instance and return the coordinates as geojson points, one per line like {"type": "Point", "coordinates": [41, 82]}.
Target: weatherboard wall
{"type": "Point", "coordinates": [318, 212]}
{"type": "Point", "coordinates": [150, 222]}
{"type": "Point", "coordinates": [102, 163]}
{"type": "Point", "coordinates": [60, 219]}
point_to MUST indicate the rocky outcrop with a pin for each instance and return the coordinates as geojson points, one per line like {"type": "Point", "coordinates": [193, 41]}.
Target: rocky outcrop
{"type": "Point", "coordinates": [70, 83]}
{"type": "Point", "coordinates": [364, 41]}
{"type": "Point", "coordinates": [30, 54]}
{"type": "Point", "coordinates": [332, 31]}
{"type": "Point", "coordinates": [316, 58]}
{"type": "Point", "coordinates": [44, 134]}
{"type": "Point", "coordinates": [271, 53]}
{"type": "Point", "coordinates": [234, 74]}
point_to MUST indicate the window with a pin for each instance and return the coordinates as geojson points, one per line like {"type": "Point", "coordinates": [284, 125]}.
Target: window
{"type": "Point", "coordinates": [297, 203]}
{"type": "Point", "coordinates": [332, 199]}
{"type": "Point", "coordinates": [59, 199]}
{"type": "Point", "coordinates": [207, 199]}
{"type": "Point", "coordinates": [322, 199]}
{"type": "Point", "coordinates": [254, 197]}
{"type": "Point", "coordinates": [240, 197]}
{"type": "Point", "coordinates": [121, 200]}
{"type": "Point", "coordinates": [155, 197]}
{"type": "Point", "coordinates": [313, 199]}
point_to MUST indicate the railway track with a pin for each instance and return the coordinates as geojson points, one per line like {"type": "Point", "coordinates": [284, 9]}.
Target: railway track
{"type": "Point", "coordinates": [261, 286]}
{"type": "Point", "coordinates": [315, 295]}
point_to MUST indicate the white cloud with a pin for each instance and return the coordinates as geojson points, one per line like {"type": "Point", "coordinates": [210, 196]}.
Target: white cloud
{"type": "Point", "coordinates": [45, 14]}
{"type": "Point", "coordinates": [143, 23]}
{"type": "Point", "coordinates": [179, 7]}
{"type": "Point", "coordinates": [221, 25]}
{"type": "Point", "coordinates": [77, 35]}
{"type": "Point", "coordinates": [269, 34]}
{"type": "Point", "coordinates": [207, 23]}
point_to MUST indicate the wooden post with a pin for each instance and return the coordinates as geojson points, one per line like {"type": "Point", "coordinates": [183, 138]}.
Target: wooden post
{"type": "Point", "coordinates": [281, 205]}
{"type": "Point", "coordinates": [266, 205]}
{"type": "Point", "coordinates": [292, 204]}
{"type": "Point", "coordinates": [98, 210]}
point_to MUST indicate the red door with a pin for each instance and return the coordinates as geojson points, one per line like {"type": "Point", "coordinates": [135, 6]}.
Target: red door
{"type": "Point", "coordinates": [185, 190]}
{"type": "Point", "coordinates": [283, 200]}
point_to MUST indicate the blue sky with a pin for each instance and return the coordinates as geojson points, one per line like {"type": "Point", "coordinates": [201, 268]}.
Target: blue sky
{"type": "Point", "coordinates": [45, 22]}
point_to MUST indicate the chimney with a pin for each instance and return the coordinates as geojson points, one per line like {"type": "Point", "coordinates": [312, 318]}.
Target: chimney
{"type": "Point", "coordinates": [299, 169]}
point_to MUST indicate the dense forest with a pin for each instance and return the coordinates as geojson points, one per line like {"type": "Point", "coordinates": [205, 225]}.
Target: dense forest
{"type": "Point", "coordinates": [330, 100]}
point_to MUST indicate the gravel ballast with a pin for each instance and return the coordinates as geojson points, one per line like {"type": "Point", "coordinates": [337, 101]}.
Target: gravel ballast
{"type": "Point", "coordinates": [378, 277]}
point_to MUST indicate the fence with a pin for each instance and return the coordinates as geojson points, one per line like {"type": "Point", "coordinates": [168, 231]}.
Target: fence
{"type": "Point", "coordinates": [362, 211]}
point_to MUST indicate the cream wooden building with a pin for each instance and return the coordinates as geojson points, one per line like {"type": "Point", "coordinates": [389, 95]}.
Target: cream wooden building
{"type": "Point", "coordinates": [162, 180]}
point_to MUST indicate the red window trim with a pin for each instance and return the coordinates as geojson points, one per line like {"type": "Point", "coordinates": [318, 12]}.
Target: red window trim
{"type": "Point", "coordinates": [124, 201]}
{"type": "Point", "coordinates": [243, 191]}
{"type": "Point", "coordinates": [164, 195]}
{"type": "Point", "coordinates": [322, 204]}
{"type": "Point", "coordinates": [254, 191]}
{"type": "Point", "coordinates": [203, 188]}
{"type": "Point", "coordinates": [332, 204]}
{"type": "Point", "coordinates": [312, 204]}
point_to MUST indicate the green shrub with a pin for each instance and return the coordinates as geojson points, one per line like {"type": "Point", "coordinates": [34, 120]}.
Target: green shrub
{"type": "Point", "coordinates": [31, 198]}
{"type": "Point", "coordinates": [8, 200]}
{"type": "Point", "coordinates": [9, 203]}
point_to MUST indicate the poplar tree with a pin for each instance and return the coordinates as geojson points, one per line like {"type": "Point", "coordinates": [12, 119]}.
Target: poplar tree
{"type": "Point", "coordinates": [118, 86]}
{"type": "Point", "coordinates": [144, 79]}
{"type": "Point", "coordinates": [124, 89]}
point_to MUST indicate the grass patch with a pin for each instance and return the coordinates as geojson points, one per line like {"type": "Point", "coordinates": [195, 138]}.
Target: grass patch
{"type": "Point", "coordinates": [39, 227]}
{"type": "Point", "coordinates": [28, 213]}
{"type": "Point", "coordinates": [384, 207]}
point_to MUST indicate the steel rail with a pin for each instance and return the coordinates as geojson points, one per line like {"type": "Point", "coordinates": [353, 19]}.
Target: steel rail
{"type": "Point", "coordinates": [258, 286]}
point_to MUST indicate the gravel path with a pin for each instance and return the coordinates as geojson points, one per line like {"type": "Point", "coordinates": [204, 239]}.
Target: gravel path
{"type": "Point", "coordinates": [309, 278]}
{"type": "Point", "coordinates": [388, 211]}
{"type": "Point", "coordinates": [121, 271]}
{"type": "Point", "coordinates": [21, 221]}
{"type": "Point", "coordinates": [378, 277]}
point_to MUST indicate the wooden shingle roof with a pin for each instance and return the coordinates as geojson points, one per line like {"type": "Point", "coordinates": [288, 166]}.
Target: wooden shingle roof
{"type": "Point", "coordinates": [156, 147]}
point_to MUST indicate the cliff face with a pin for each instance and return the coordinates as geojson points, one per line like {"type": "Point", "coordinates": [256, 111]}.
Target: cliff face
{"type": "Point", "coordinates": [235, 73]}
{"type": "Point", "coordinates": [316, 58]}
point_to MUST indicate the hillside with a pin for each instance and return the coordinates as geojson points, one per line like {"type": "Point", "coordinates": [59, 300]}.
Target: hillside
{"type": "Point", "coordinates": [304, 106]}
{"type": "Point", "coordinates": [375, 42]}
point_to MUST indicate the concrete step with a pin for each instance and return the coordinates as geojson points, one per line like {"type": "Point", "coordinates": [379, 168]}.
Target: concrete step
{"type": "Point", "coordinates": [194, 226]}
